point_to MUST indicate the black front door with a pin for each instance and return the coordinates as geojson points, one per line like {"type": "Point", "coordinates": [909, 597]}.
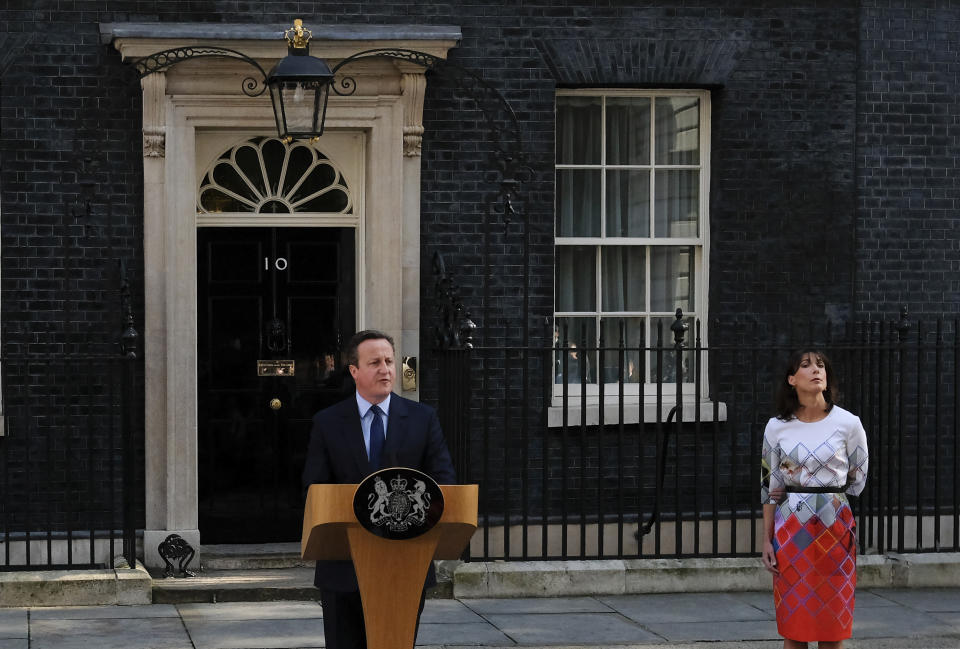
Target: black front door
{"type": "Point", "coordinates": [275, 309]}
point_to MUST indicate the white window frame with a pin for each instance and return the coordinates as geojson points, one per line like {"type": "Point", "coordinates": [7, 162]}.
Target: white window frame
{"type": "Point", "coordinates": [701, 270]}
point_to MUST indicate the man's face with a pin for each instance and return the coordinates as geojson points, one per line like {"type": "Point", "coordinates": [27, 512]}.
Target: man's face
{"type": "Point", "coordinates": [374, 372]}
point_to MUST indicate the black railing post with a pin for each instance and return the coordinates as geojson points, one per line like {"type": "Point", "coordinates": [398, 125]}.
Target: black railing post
{"type": "Point", "coordinates": [937, 405]}
{"type": "Point", "coordinates": [903, 327]}
{"type": "Point", "coordinates": [453, 341]}
{"type": "Point", "coordinates": [128, 351]}
{"type": "Point", "coordinates": [679, 329]}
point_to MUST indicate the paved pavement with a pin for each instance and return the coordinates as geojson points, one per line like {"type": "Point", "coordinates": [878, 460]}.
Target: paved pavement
{"type": "Point", "coordinates": [885, 618]}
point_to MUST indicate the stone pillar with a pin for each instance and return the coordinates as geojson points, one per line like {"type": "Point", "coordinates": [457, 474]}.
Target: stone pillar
{"type": "Point", "coordinates": [413, 85]}
{"type": "Point", "coordinates": [169, 245]}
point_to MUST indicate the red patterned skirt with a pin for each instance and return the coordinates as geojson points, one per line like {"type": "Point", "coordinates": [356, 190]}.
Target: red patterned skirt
{"type": "Point", "coordinates": [814, 592]}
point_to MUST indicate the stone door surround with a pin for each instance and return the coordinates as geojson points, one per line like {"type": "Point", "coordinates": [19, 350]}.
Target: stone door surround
{"type": "Point", "coordinates": [204, 95]}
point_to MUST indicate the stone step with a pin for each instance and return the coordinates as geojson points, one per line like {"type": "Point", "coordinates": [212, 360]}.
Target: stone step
{"type": "Point", "coordinates": [252, 573]}
{"type": "Point", "coordinates": [264, 556]}
{"type": "Point", "coordinates": [243, 585]}
{"type": "Point", "coordinates": [265, 585]}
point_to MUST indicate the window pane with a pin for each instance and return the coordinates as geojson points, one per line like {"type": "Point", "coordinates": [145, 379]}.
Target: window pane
{"type": "Point", "coordinates": [671, 278]}
{"type": "Point", "coordinates": [624, 278]}
{"type": "Point", "coordinates": [576, 283]}
{"type": "Point", "coordinates": [628, 130]}
{"type": "Point", "coordinates": [669, 373]}
{"type": "Point", "coordinates": [677, 203]}
{"type": "Point", "coordinates": [678, 131]}
{"type": "Point", "coordinates": [628, 203]}
{"type": "Point", "coordinates": [578, 337]}
{"type": "Point", "coordinates": [633, 369]}
{"type": "Point", "coordinates": [578, 203]}
{"type": "Point", "coordinates": [578, 130]}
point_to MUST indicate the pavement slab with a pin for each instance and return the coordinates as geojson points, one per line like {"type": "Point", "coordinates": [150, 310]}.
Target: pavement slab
{"type": "Point", "coordinates": [685, 607]}
{"type": "Point", "coordinates": [865, 599]}
{"type": "Point", "coordinates": [112, 633]}
{"type": "Point", "coordinates": [103, 612]}
{"type": "Point", "coordinates": [761, 601]}
{"type": "Point", "coordinates": [716, 631]}
{"type": "Point", "coordinates": [537, 605]}
{"type": "Point", "coordinates": [301, 633]}
{"type": "Point", "coordinates": [935, 642]}
{"type": "Point", "coordinates": [571, 628]}
{"type": "Point", "coordinates": [13, 643]}
{"type": "Point", "coordinates": [923, 599]}
{"type": "Point", "coordinates": [448, 611]}
{"type": "Point", "coordinates": [894, 622]}
{"type": "Point", "coordinates": [470, 634]}
{"type": "Point", "coordinates": [951, 618]}
{"type": "Point", "coordinates": [13, 623]}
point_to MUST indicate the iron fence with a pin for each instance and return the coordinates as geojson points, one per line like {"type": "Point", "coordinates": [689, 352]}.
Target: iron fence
{"type": "Point", "coordinates": [67, 457]}
{"type": "Point", "coordinates": [662, 458]}
{"type": "Point", "coordinates": [70, 436]}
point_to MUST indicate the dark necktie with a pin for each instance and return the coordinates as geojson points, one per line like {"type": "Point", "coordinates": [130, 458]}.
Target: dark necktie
{"type": "Point", "coordinates": [377, 438]}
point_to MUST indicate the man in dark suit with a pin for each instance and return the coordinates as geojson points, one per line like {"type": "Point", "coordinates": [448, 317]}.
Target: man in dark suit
{"type": "Point", "coordinates": [371, 430]}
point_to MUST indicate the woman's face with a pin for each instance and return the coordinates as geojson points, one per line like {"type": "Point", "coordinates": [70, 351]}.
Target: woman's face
{"type": "Point", "coordinates": [811, 376]}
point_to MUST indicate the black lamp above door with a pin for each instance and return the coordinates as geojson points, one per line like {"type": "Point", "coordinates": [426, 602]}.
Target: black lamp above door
{"type": "Point", "coordinates": [299, 88]}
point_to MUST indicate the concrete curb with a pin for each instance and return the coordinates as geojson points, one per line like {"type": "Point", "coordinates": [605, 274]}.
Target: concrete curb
{"type": "Point", "coordinates": [124, 586]}
{"type": "Point", "coordinates": [640, 576]}
{"type": "Point", "coordinates": [504, 579]}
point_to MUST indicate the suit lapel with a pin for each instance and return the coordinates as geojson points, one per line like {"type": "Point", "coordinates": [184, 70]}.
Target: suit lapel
{"type": "Point", "coordinates": [396, 429]}
{"type": "Point", "coordinates": [353, 433]}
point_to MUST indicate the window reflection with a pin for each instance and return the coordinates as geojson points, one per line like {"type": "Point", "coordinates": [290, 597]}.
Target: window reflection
{"type": "Point", "coordinates": [677, 130]}
{"type": "Point", "coordinates": [578, 203]}
{"type": "Point", "coordinates": [575, 358]}
{"type": "Point", "coordinates": [578, 130]}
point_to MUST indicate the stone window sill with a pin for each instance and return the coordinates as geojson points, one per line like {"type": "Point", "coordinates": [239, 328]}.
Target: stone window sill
{"type": "Point", "coordinates": [631, 412]}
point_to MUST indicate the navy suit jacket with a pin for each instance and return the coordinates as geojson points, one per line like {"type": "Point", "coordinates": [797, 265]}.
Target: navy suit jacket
{"type": "Point", "coordinates": [337, 454]}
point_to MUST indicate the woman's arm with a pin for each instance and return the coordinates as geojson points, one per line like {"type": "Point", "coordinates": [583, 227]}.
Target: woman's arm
{"type": "Point", "coordinates": [767, 554]}
{"type": "Point", "coordinates": [771, 494]}
{"type": "Point", "coordinates": [857, 456]}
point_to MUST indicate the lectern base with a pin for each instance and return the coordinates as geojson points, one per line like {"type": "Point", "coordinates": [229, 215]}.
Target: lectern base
{"type": "Point", "coordinates": [391, 576]}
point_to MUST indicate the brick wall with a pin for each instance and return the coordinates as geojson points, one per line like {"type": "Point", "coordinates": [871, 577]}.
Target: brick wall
{"type": "Point", "coordinates": [908, 238]}
{"type": "Point", "coordinates": [833, 132]}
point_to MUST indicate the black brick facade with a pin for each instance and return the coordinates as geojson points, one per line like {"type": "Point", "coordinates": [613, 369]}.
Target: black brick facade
{"type": "Point", "coordinates": [908, 237]}
{"type": "Point", "coordinates": [834, 136]}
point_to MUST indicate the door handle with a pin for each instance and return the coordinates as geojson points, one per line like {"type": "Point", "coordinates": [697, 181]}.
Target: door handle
{"type": "Point", "coordinates": [275, 404]}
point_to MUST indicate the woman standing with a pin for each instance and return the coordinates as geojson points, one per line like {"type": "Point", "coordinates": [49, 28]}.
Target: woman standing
{"type": "Point", "coordinates": [814, 452]}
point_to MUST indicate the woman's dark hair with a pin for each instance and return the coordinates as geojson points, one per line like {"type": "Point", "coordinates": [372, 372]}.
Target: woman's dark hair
{"type": "Point", "coordinates": [786, 401]}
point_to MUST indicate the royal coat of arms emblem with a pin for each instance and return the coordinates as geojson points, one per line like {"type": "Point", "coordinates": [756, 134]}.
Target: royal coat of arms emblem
{"type": "Point", "coordinates": [398, 503]}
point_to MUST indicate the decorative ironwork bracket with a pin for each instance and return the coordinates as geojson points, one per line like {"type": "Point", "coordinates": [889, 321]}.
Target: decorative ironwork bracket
{"type": "Point", "coordinates": [160, 61]}
{"type": "Point", "coordinates": [455, 330]}
{"type": "Point", "coordinates": [129, 337]}
{"type": "Point", "coordinates": [175, 548]}
{"type": "Point", "coordinates": [679, 329]}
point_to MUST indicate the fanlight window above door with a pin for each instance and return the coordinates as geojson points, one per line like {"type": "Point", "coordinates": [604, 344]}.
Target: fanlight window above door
{"type": "Point", "coordinates": [266, 175]}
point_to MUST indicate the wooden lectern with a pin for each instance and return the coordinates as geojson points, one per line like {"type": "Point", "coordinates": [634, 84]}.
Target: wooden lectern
{"type": "Point", "coordinates": [390, 572]}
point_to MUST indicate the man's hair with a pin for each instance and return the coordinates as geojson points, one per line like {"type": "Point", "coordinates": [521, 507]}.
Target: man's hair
{"type": "Point", "coordinates": [361, 336]}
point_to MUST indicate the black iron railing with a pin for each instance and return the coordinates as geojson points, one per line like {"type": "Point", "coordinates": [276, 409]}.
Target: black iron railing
{"type": "Point", "coordinates": [67, 463]}
{"type": "Point", "coordinates": [663, 461]}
